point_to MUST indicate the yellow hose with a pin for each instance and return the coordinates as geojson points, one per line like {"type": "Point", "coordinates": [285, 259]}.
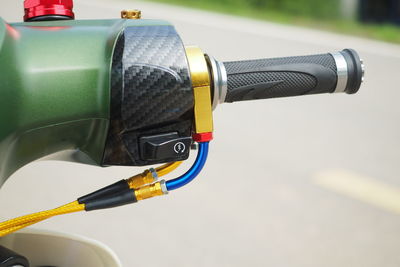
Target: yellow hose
{"type": "Point", "coordinates": [14, 229]}
{"type": "Point", "coordinates": [16, 224]}
{"type": "Point", "coordinates": [13, 225]}
{"type": "Point", "coordinates": [167, 168]}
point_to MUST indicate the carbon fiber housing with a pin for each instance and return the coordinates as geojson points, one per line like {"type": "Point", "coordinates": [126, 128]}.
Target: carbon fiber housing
{"type": "Point", "coordinates": [151, 92]}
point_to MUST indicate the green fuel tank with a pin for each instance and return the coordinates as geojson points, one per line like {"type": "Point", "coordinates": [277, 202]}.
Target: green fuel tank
{"type": "Point", "coordinates": [55, 88]}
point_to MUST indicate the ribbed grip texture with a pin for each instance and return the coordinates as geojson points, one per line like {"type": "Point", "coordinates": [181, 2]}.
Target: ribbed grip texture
{"type": "Point", "coordinates": [280, 77]}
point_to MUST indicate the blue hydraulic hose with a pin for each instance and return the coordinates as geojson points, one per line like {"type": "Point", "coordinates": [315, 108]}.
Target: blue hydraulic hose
{"type": "Point", "coordinates": [194, 170]}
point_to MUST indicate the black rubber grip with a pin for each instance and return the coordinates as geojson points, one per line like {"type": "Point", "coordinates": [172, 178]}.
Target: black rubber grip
{"type": "Point", "coordinates": [290, 76]}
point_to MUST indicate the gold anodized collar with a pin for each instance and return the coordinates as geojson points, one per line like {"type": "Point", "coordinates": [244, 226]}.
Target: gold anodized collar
{"type": "Point", "coordinates": [201, 88]}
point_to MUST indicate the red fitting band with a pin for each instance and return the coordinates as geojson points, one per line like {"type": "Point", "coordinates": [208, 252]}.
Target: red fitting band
{"type": "Point", "coordinates": [203, 137]}
{"type": "Point", "coordinates": [38, 8]}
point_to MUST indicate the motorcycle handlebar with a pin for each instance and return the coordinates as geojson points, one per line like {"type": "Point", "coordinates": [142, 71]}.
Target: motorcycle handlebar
{"type": "Point", "coordinates": [291, 76]}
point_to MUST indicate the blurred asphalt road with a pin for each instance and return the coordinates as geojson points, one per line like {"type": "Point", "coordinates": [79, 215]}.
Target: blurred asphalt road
{"type": "Point", "coordinates": [306, 181]}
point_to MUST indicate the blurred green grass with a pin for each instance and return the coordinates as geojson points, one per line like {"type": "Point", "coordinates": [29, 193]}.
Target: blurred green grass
{"type": "Point", "coordinates": [316, 14]}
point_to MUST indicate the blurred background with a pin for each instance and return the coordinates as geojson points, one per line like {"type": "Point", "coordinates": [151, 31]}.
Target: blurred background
{"type": "Point", "coordinates": [378, 19]}
{"type": "Point", "coordinates": [305, 181]}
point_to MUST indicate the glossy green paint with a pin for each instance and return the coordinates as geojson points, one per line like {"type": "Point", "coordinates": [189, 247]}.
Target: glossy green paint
{"type": "Point", "coordinates": [55, 88]}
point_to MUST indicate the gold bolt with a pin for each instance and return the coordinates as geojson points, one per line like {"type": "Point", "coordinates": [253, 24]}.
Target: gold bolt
{"type": "Point", "coordinates": [131, 14]}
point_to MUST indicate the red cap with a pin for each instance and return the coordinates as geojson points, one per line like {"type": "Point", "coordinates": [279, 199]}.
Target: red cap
{"type": "Point", "coordinates": [203, 137]}
{"type": "Point", "coordinates": [38, 8]}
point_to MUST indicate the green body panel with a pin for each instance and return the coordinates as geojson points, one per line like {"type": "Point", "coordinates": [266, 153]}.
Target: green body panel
{"type": "Point", "coordinates": [55, 88]}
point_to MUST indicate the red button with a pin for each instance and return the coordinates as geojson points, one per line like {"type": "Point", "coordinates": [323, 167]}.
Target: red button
{"type": "Point", "coordinates": [38, 8]}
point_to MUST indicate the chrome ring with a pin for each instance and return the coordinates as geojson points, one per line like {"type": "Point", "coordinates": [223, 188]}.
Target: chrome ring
{"type": "Point", "coordinates": [164, 187]}
{"type": "Point", "coordinates": [223, 82]}
{"type": "Point", "coordinates": [220, 80]}
{"type": "Point", "coordinates": [154, 174]}
{"type": "Point", "coordinates": [362, 70]}
{"type": "Point", "coordinates": [342, 72]}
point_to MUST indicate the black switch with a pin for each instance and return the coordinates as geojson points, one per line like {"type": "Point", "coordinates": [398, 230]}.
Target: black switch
{"type": "Point", "coordinates": [165, 147]}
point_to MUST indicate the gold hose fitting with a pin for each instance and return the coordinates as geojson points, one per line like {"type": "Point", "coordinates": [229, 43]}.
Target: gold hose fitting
{"type": "Point", "coordinates": [151, 190]}
{"type": "Point", "coordinates": [146, 177]}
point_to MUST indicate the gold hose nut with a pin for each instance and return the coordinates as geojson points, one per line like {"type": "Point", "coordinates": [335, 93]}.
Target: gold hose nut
{"type": "Point", "coordinates": [131, 14]}
{"type": "Point", "coordinates": [152, 190]}
{"type": "Point", "coordinates": [146, 177]}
